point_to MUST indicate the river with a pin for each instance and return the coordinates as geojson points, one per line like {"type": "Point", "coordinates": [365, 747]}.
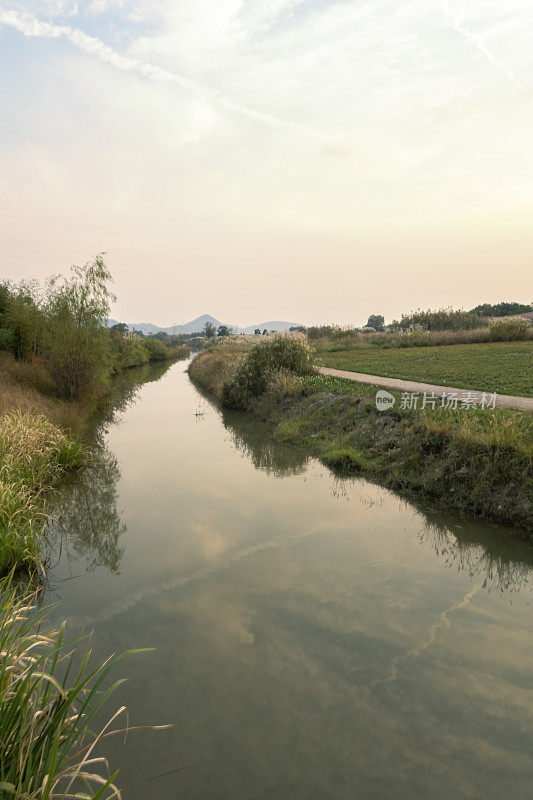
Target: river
{"type": "Point", "coordinates": [315, 637]}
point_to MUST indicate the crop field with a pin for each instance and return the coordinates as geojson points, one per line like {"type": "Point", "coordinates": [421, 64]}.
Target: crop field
{"type": "Point", "coordinates": [503, 367]}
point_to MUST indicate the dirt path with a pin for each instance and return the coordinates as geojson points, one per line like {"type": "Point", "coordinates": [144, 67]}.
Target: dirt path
{"type": "Point", "coordinates": [502, 400]}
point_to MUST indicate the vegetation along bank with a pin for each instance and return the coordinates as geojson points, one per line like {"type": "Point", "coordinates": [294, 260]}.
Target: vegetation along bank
{"type": "Point", "coordinates": [477, 461]}
{"type": "Point", "coordinates": [57, 361]}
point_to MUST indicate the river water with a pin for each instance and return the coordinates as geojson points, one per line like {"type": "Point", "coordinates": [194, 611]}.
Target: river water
{"type": "Point", "coordinates": [314, 637]}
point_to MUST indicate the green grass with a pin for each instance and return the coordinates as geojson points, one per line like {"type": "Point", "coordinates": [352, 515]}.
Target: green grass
{"type": "Point", "coordinates": [503, 367]}
{"type": "Point", "coordinates": [495, 427]}
{"type": "Point", "coordinates": [34, 454]}
{"type": "Point", "coordinates": [476, 461]}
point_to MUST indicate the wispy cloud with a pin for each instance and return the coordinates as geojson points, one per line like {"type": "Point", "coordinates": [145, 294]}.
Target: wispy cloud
{"type": "Point", "coordinates": [456, 17]}
{"type": "Point", "coordinates": [31, 26]}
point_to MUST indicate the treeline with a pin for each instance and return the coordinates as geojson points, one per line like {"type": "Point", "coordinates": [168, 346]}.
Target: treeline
{"type": "Point", "coordinates": [64, 321]}
{"type": "Point", "coordinates": [501, 309]}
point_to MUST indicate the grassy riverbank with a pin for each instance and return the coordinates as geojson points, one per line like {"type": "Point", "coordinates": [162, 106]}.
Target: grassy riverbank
{"type": "Point", "coordinates": [476, 461]}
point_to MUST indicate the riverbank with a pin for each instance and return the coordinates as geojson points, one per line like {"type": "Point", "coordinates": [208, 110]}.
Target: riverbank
{"type": "Point", "coordinates": [476, 461]}
{"type": "Point", "coordinates": [42, 439]}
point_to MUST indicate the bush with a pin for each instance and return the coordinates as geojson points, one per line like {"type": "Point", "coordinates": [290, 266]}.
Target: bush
{"type": "Point", "coordinates": [284, 351]}
{"type": "Point", "coordinates": [501, 309]}
{"type": "Point", "coordinates": [6, 339]}
{"type": "Point", "coordinates": [180, 352]}
{"type": "Point", "coordinates": [156, 350]}
{"type": "Point", "coordinates": [445, 319]}
{"type": "Point", "coordinates": [213, 367]}
{"type": "Point", "coordinates": [282, 383]}
{"type": "Point", "coordinates": [511, 331]}
{"type": "Point", "coordinates": [21, 318]}
{"type": "Point", "coordinates": [127, 351]}
{"type": "Point", "coordinates": [76, 339]}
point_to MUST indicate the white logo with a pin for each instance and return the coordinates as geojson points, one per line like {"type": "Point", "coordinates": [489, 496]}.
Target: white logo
{"type": "Point", "coordinates": [384, 400]}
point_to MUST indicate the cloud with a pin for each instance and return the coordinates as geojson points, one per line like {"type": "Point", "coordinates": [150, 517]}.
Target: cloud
{"type": "Point", "coordinates": [456, 17]}
{"type": "Point", "coordinates": [32, 27]}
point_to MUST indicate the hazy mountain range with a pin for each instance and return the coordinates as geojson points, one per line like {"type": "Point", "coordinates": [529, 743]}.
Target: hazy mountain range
{"type": "Point", "coordinates": [197, 325]}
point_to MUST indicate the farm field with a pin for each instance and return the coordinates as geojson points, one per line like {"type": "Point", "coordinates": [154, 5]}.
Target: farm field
{"type": "Point", "coordinates": [503, 367]}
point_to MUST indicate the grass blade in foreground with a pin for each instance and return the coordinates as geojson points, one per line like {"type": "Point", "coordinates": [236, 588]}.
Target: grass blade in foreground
{"type": "Point", "coordinates": [46, 720]}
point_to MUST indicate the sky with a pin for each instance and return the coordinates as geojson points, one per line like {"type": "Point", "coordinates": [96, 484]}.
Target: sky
{"type": "Point", "coordinates": [303, 160]}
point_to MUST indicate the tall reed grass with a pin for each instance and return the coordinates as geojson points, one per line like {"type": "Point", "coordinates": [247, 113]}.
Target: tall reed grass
{"type": "Point", "coordinates": [50, 698]}
{"type": "Point", "coordinates": [34, 454]}
{"type": "Point", "coordinates": [342, 339]}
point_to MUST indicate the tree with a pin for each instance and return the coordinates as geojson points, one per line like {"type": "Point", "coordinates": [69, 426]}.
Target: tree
{"type": "Point", "coordinates": [209, 329]}
{"type": "Point", "coordinates": [155, 348]}
{"type": "Point", "coordinates": [20, 318]}
{"type": "Point", "coordinates": [119, 327]}
{"type": "Point", "coordinates": [76, 337]}
{"type": "Point", "coordinates": [223, 330]}
{"type": "Point", "coordinates": [257, 332]}
{"type": "Point", "coordinates": [376, 321]}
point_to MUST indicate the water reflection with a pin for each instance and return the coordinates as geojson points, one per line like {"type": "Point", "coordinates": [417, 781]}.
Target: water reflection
{"type": "Point", "coordinates": [87, 524]}
{"type": "Point", "coordinates": [306, 641]}
{"type": "Point", "coordinates": [503, 561]}
{"type": "Point", "coordinates": [252, 438]}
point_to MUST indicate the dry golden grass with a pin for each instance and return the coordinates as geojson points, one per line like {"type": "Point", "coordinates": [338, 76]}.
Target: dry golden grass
{"type": "Point", "coordinates": [27, 388]}
{"type": "Point", "coordinates": [213, 367]}
{"type": "Point", "coordinates": [36, 447]}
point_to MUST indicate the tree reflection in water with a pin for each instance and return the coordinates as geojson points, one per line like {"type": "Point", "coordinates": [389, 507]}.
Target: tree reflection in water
{"type": "Point", "coordinates": [502, 560]}
{"type": "Point", "coordinates": [253, 439]}
{"type": "Point", "coordinates": [87, 522]}
{"type": "Point", "coordinates": [497, 555]}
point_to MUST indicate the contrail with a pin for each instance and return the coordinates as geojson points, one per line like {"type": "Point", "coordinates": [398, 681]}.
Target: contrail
{"type": "Point", "coordinates": [31, 26]}
{"type": "Point", "coordinates": [456, 17]}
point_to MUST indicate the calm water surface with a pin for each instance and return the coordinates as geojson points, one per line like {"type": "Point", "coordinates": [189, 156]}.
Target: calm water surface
{"type": "Point", "coordinates": [315, 637]}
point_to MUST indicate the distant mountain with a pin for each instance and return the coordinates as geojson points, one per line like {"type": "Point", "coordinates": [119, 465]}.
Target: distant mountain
{"type": "Point", "coordinates": [270, 326]}
{"type": "Point", "coordinates": [196, 325]}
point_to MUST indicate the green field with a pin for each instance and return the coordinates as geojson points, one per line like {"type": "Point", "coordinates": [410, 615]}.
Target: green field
{"type": "Point", "coordinates": [503, 367]}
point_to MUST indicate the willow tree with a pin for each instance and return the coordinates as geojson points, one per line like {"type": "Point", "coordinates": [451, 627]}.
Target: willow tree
{"type": "Point", "coordinates": [76, 336]}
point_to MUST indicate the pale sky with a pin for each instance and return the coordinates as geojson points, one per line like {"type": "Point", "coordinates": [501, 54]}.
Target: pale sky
{"type": "Point", "coordinates": [306, 160]}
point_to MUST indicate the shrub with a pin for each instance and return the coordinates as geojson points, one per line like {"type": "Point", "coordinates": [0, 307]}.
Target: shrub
{"type": "Point", "coordinates": [77, 341]}
{"type": "Point", "coordinates": [281, 384]}
{"type": "Point", "coordinates": [510, 331]}
{"type": "Point", "coordinates": [328, 331]}
{"type": "Point", "coordinates": [213, 367]}
{"type": "Point", "coordinates": [445, 319]}
{"type": "Point", "coordinates": [283, 351]}
{"type": "Point", "coordinates": [501, 309]}
{"type": "Point", "coordinates": [127, 351]}
{"type": "Point", "coordinates": [156, 350]}
{"type": "Point", "coordinates": [181, 351]}
{"type": "Point", "coordinates": [21, 317]}
{"type": "Point", "coordinates": [6, 339]}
